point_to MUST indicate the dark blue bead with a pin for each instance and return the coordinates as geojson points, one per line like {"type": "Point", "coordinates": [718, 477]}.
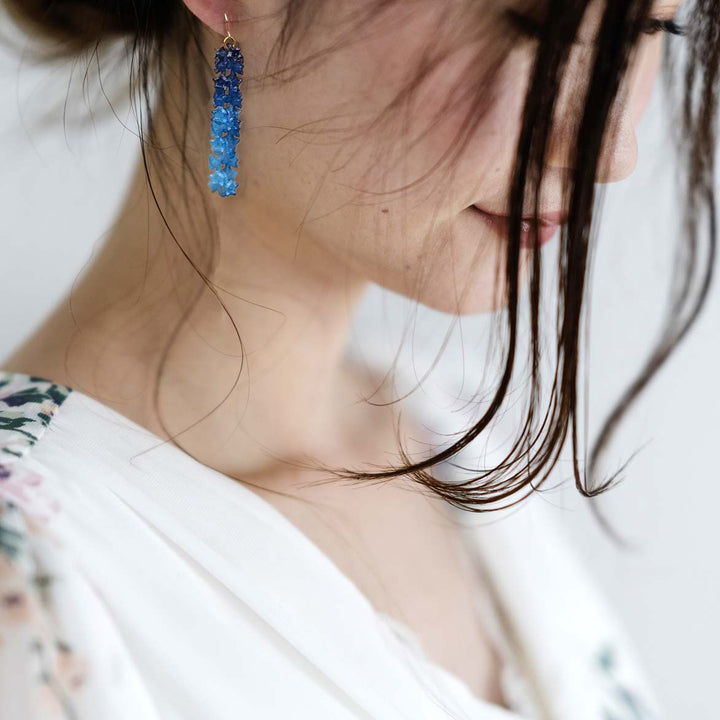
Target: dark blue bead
{"type": "Point", "coordinates": [233, 98]}
{"type": "Point", "coordinates": [234, 54]}
{"type": "Point", "coordinates": [223, 82]}
{"type": "Point", "coordinates": [229, 59]}
{"type": "Point", "coordinates": [221, 60]}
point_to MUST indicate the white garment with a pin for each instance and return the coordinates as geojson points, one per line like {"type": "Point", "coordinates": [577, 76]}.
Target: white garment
{"type": "Point", "coordinates": [176, 593]}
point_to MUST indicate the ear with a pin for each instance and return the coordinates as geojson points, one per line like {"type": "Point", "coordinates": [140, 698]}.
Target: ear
{"type": "Point", "coordinates": [211, 13]}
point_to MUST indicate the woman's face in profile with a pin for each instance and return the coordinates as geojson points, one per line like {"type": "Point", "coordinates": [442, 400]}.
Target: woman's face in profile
{"type": "Point", "coordinates": [319, 184]}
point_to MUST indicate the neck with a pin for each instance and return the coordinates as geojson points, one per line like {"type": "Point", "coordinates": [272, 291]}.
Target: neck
{"type": "Point", "coordinates": [292, 303]}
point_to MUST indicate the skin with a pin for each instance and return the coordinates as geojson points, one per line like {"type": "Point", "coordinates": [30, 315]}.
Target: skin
{"type": "Point", "coordinates": [293, 295]}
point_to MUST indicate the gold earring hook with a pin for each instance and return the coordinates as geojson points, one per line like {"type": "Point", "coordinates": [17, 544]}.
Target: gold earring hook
{"type": "Point", "coordinates": [228, 36]}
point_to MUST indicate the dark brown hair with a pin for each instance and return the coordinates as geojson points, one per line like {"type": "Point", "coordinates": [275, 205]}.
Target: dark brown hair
{"type": "Point", "coordinates": [150, 26]}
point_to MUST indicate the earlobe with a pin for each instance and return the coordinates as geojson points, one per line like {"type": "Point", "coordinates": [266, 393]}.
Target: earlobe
{"type": "Point", "coordinates": [211, 13]}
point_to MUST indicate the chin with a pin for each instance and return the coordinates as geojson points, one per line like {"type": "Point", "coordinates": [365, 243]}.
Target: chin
{"type": "Point", "coordinates": [479, 295]}
{"type": "Point", "coordinates": [470, 304]}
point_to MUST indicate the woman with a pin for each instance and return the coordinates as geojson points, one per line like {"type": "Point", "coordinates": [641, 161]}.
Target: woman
{"type": "Point", "coordinates": [226, 573]}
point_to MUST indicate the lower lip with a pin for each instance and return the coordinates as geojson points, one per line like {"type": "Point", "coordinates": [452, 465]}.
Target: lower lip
{"type": "Point", "coordinates": [501, 225]}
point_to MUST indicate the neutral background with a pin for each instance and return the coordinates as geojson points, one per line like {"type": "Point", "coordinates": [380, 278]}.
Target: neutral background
{"type": "Point", "coordinates": [60, 184]}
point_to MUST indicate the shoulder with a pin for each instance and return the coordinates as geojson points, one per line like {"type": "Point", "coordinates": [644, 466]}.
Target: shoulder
{"type": "Point", "coordinates": [59, 653]}
{"type": "Point", "coordinates": [27, 406]}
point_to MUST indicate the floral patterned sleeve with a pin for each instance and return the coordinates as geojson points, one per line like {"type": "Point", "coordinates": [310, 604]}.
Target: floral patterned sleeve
{"type": "Point", "coordinates": [61, 655]}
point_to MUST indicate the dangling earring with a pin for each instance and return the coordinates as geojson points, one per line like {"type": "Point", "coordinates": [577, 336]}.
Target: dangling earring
{"type": "Point", "coordinates": [227, 103]}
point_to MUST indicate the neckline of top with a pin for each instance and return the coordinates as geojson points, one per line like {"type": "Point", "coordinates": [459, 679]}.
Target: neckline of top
{"type": "Point", "coordinates": [108, 413]}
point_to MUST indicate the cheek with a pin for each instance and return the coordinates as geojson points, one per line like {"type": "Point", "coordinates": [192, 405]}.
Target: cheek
{"type": "Point", "coordinates": [382, 204]}
{"type": "Point", "coordinates": [643, 76]}
{"type": "Point", "coordinates": [434, 237]}
{"type": "Point", "coordinates": [319, 145]}
{"type": "Point", "coordinates": [483, 169]}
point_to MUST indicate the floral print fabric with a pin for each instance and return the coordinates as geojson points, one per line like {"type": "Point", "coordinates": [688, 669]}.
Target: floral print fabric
{"type": "Point", "coordinates": [59, 656]}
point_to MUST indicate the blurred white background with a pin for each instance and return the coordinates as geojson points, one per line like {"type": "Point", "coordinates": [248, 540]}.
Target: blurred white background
{"type": "Point", "coordinates": [60, 186]}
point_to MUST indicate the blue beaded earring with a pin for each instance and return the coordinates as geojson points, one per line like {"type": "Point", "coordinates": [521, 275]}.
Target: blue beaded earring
{"type": "Point", "coordinates": [227, 103]}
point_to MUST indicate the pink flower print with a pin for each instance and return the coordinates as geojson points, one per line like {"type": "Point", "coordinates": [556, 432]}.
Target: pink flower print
{"type": "Point", "coordinates": [21, 487]}
{"type": "Point", "coordinates": [15, 602]}
{"type": "Point", "coordinates": [47, 407]}
{"type": "Point", "coordinates": [71, 669]}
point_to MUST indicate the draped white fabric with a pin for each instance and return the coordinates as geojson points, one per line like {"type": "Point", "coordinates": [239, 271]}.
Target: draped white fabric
{"type": "Point", "coordinates": [186, 596]}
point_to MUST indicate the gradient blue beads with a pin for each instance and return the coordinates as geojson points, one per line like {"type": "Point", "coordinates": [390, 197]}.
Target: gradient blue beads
{"type": "Point", "coordinates": [227, 103]}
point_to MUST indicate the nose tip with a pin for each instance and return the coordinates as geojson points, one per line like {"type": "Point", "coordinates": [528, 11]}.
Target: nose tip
{"type": "Point", "coordinates": [619, 158]}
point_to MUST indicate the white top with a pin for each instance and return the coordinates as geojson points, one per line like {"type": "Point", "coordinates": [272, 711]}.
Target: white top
{"type": "Point", "coordinates": [152, 587]}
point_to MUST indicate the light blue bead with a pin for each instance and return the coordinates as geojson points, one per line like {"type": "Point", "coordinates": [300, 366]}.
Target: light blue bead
{"type": "Point", "coordinates": [225, 120]}
{"type": "Point", "coordinates": [223, 182]}
{"type": "Point", "coordinates": [222, 145]}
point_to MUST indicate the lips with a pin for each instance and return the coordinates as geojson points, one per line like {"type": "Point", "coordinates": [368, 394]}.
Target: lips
{"type": "Point", "coordinates": [546, 218]}
{"type": "Point", "coordinates": [547, 227]}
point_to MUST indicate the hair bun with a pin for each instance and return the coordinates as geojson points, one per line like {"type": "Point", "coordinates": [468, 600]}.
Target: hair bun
{"type": "Point", "coordinates": [81, 23]}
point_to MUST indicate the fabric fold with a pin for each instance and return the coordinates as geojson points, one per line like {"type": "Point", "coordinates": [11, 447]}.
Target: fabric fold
{"type": "Point", "coordinates": [225, 609]}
